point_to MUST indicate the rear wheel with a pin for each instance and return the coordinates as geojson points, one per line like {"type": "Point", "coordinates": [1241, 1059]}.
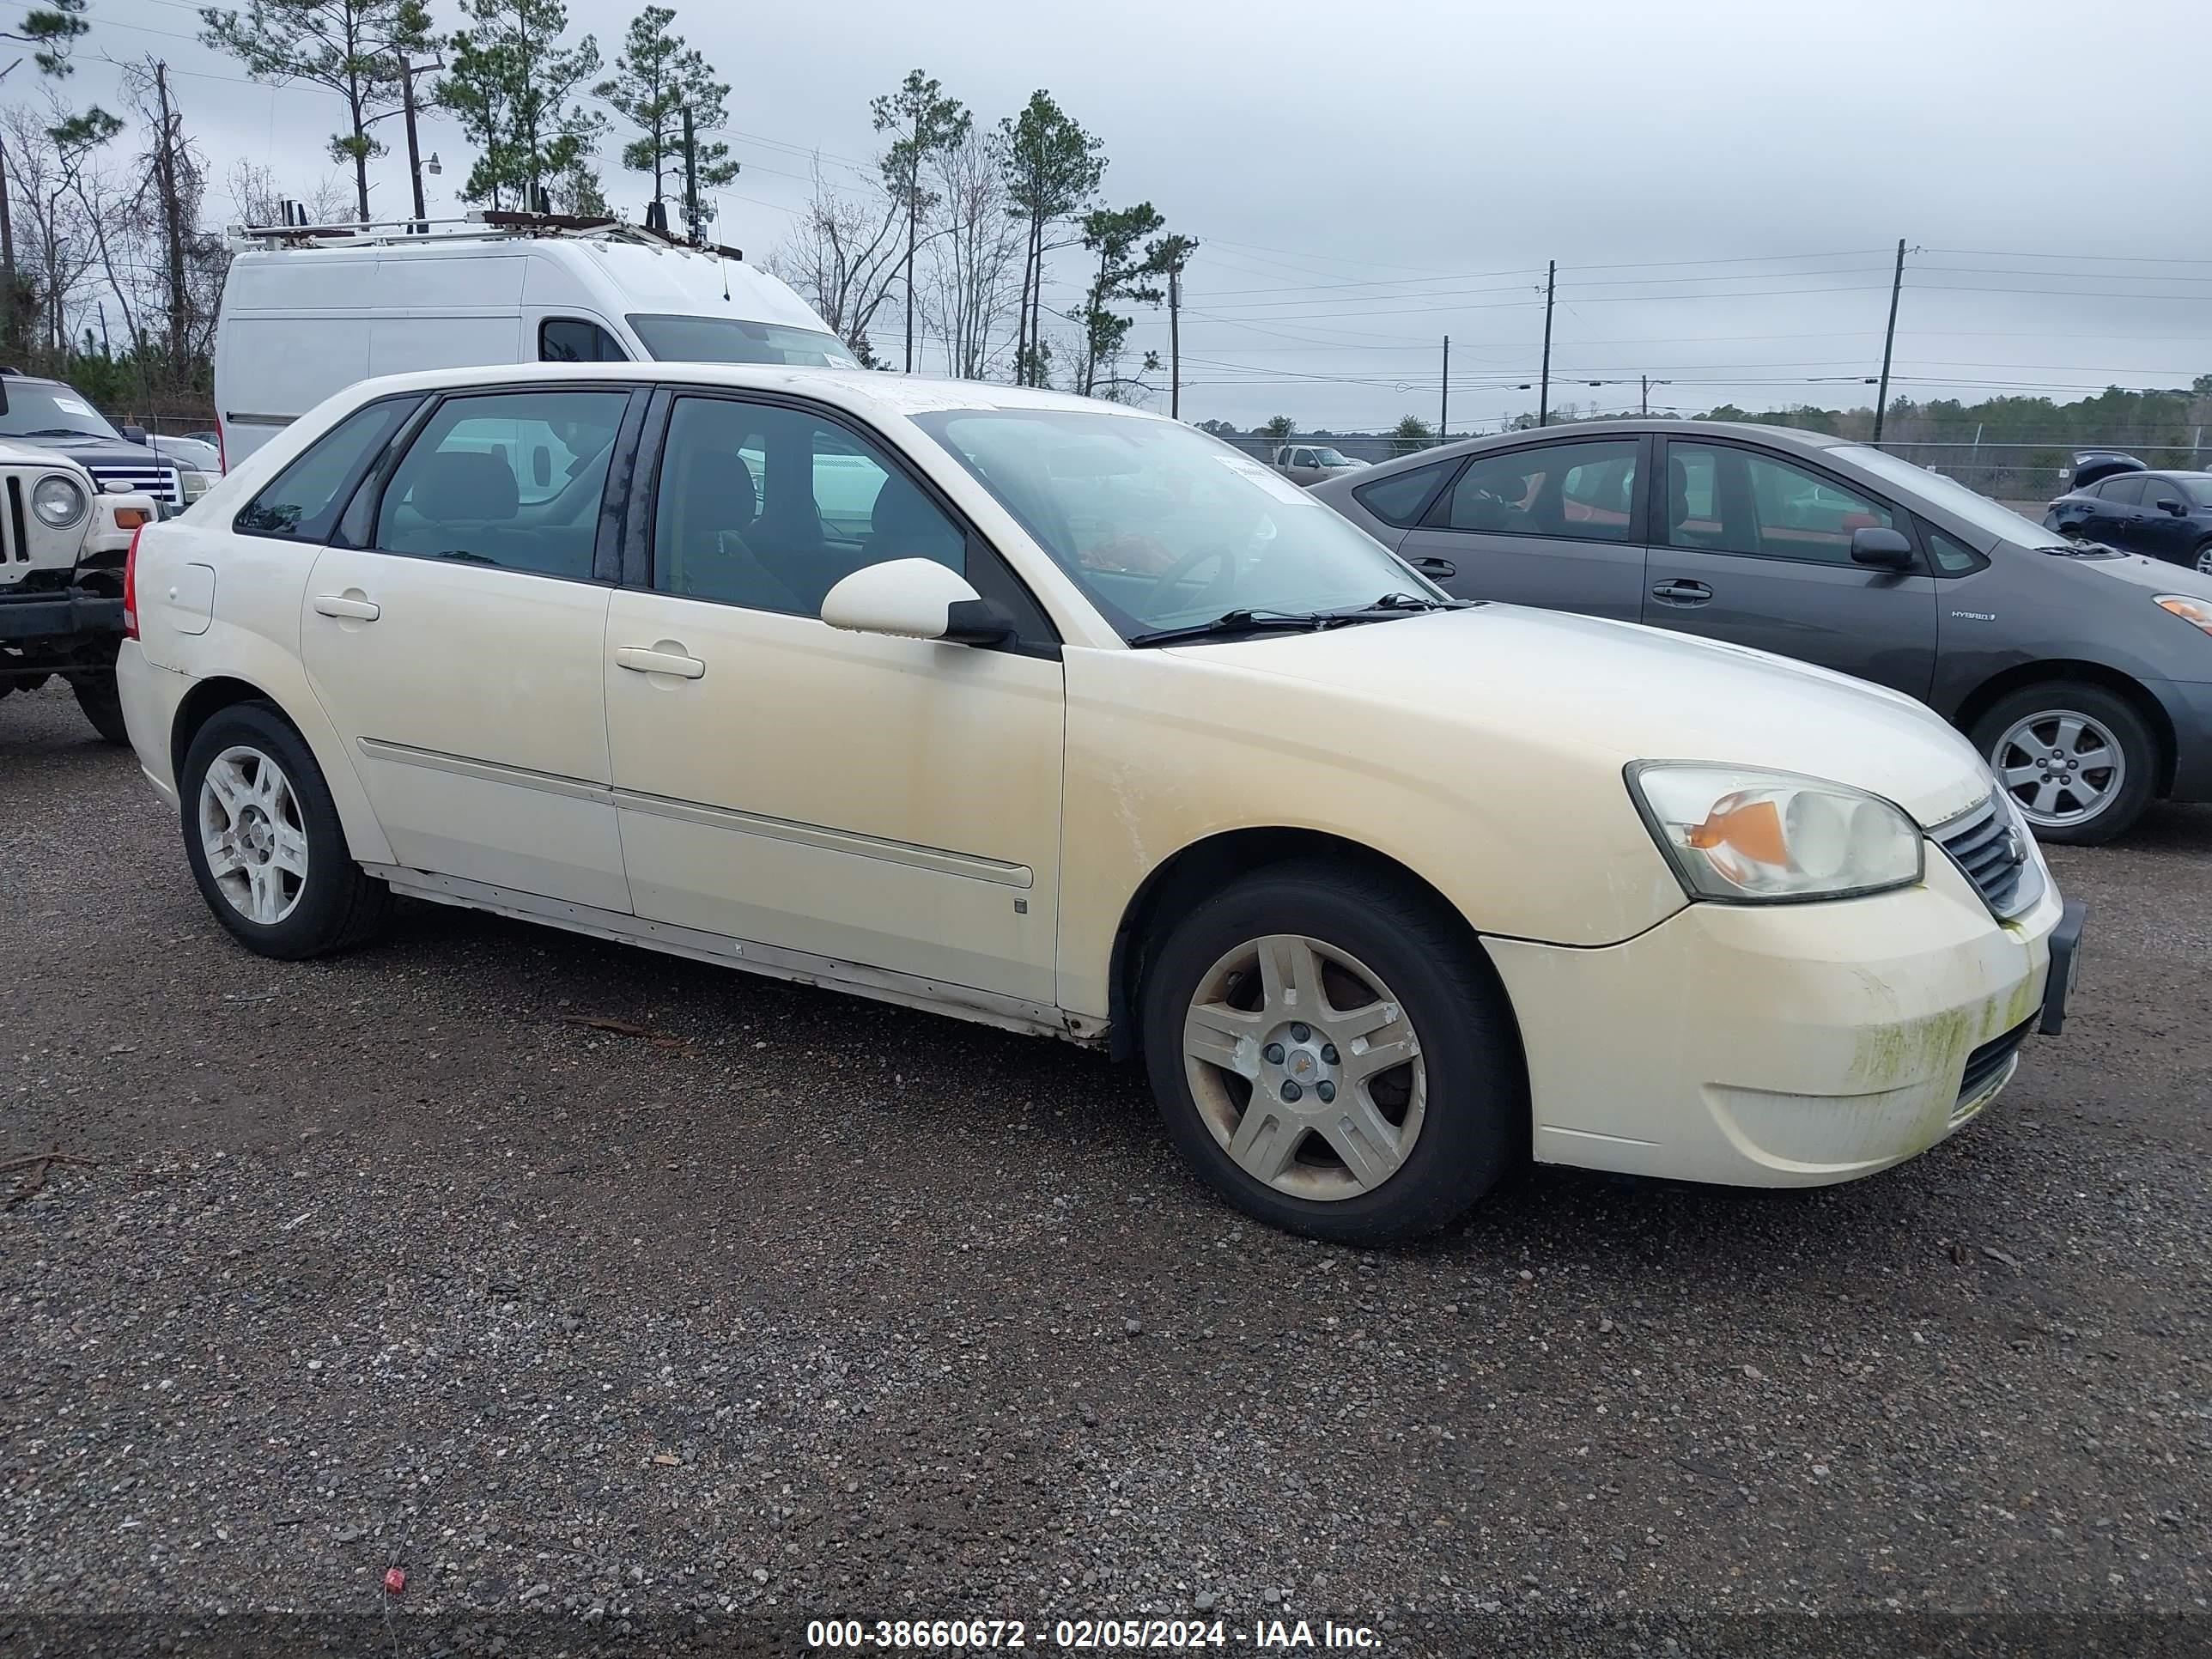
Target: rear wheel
{"type": "Point", "coordinates": [264, 842]}
{"type": "Point", "coordinates": [2079, 761]}
{"type": "Point", "coordinates": [1333, 1056]}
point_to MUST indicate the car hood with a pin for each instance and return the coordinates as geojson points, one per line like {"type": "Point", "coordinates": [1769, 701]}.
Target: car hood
{"type": "Point", "coordinates": [2152, 575]}
{"type": "Point", "coordinates": [1624, 692]}
{"type": "Point", "coordinates": [89, 447]}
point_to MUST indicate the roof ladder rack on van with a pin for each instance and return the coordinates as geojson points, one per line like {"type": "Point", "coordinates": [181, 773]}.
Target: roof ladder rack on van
{"type": "Point", "coordinates": [484, 223]}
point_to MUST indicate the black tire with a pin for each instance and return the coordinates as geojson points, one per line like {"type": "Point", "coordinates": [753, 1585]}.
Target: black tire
{"type": "Point", "coordinates": [2130, 731]}
{"type": "Point", "coordinates": [102, 704]}
{"type": "Point", "coordinates": [1475, 1127]}
{"type": "Point", "coordinates": [2200, 559]}
{"type": "Point", "coordinates": [338, 905]}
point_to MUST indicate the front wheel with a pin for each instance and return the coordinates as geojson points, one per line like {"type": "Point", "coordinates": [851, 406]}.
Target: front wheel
{"type": "Point", "coordinates": [2079, 761]}
{"type": "Point", "coordinates": [1333, 1055]}
{"type": "Point", "coordinates": [264, 842]}
{"type": "Point", "coordinates": [101, 703]}
{"type": "Point", "coordinates": [2202, 560]}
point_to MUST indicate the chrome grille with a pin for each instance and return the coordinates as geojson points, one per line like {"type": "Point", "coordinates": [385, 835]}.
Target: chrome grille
{"type": "Point", "coordinates": [162, 483]}
{"type": "Point", "coordinates": [1992, 851]}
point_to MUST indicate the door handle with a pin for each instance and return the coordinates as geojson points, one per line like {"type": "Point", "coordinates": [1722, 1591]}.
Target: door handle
{"type": "Point", "coordinates": [1679, 592]}
{"type": "Point", "coordinates": [1443, 569]}
{"type": "Point", "coordinates": [337, 604]}
{"type": "Point", "coordinates": [640, 659]}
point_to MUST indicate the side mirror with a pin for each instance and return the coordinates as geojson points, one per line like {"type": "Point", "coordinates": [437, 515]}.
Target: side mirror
{"type": "Point", "coordinates": [1883, 548]}
{"type": "Point", "coordinates": [134, 435]}
{"type": "Point", "coordinates": [2166, 504]}
{"type": "Point", "coordinates": [915, 599]}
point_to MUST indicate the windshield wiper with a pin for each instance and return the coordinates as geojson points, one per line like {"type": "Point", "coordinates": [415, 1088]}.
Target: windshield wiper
{"type": "Point", "coordinates": [1304, 622]}
{"type": "Point", "coordinates": [57, 432]}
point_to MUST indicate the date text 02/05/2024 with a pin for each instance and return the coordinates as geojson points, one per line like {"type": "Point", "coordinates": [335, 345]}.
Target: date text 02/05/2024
{"type": "Point", "coordinates": [1111, 1635]}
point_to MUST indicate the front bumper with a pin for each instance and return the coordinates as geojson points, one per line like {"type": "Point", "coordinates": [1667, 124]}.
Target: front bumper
{"type": "Point", "coordinates": [2188, 705]}
{"type": "Point", "coordinates": [1778, 1045]}
{"type": "Point", "coordinates": [58, 615]}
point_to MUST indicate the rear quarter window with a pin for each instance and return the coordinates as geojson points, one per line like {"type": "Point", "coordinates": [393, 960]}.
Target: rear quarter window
{"type": "Point", "coordinates": [1398, 500]}
{"type": "Point", "coordinates": [302, 502]}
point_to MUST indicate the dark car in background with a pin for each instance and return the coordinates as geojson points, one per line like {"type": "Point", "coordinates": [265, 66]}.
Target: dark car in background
{"type": "Point", "coordinates": [2119, 501]}
{"type": "Point", "coordinates": [2083, 674]}
{"type": "Point", "coordinates": [52, 416]}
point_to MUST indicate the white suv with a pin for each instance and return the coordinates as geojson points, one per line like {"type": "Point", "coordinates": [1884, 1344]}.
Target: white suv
{"type": "Point", "coordinates": [1071, 720]}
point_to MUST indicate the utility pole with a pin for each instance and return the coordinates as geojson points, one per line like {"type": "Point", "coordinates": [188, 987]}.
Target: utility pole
{"type": "Point", "coordinates": [165, 179]}
{"type": "Point", "coordinates": [1174, 340]}
{"type": "Point", "coordinates": [1889, 342]}
{"type": "Point", "coordinates": [1644, 407]}
{"type": "Point", "coordinates": [1444, 397]}
{"type": "Point", "coordinates": [690, 179]}
{"type": "Point", "coordinates": [408, 70]}
{"type": "Point", "coordinates": [1544, 396]}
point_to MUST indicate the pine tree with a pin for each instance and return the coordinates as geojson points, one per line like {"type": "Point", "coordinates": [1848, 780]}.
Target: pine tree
{"type": "Point", "coordinates": [657, 77]}
{"type": "Point", "coordinates": [927, 125]}
{"type": "Point", "coordinates": [351, 47]}
{"type": "Point", "coordinates": [511, 84]}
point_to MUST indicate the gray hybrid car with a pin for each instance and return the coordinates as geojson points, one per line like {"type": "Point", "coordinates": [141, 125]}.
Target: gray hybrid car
{"type": "Point", "coordinates": [2083, 674]}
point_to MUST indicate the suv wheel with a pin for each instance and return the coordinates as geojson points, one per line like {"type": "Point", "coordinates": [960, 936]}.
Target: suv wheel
{"type": "Point", "coordinates": [101, 703]}
{"type": "Point", "coordinates": [2078, 760]}
{"type": "Point", "coordinates": [1332, 1056]}
{"type": "Point", "coordinates": [264, 842]}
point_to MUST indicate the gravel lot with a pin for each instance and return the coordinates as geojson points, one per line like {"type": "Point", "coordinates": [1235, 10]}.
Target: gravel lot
{"type": "Point", "coordinates": [804, 1307]}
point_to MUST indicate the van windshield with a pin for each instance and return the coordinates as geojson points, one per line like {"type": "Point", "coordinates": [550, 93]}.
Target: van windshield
{"type": "Point", "coordinates": [733, 340]}
{"type": "Point", "coordinates": [29, 408]}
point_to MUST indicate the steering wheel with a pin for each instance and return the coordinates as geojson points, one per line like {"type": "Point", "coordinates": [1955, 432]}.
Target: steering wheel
{"type": "Point", "coordinates": [1224, 580]}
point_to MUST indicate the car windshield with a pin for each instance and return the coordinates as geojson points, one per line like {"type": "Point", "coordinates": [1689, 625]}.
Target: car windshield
{"type": "Point", "coordinates": [1949, 494]}
{"type": "Point", "coordinates": [1162, 526]}
{"type": "Point", "coordinates": [36, 411]}
{"type": "Point", "coordinates": [2199, 486]}
{"type": "Point", "coordinates": [731, 340]}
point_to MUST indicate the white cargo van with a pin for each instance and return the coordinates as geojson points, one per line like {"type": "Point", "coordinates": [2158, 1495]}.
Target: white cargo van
{"type": "Point", "coordinates": [306, 313]}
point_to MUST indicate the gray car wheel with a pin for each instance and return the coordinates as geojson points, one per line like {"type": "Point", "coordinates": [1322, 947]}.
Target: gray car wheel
{"type": "Point", "coordinates": [2078, 760]}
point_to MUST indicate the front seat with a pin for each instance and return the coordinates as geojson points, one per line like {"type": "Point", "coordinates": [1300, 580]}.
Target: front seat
{"type": "Point", "coordinates": [711, 514]}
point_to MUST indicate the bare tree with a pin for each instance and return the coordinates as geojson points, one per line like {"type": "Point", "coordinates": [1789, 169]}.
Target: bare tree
{"type": "Point", "coordinates": [259, 196]}
{"type": "Point", "coordinates": [844, 256]}
{"type": "Point", "coordinates": [55, 248]}
{"type": "Point", "coordinates": [971, 293]}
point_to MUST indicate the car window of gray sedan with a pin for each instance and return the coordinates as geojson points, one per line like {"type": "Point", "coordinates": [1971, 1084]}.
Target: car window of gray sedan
{"type": "Point", "coordinates": [1726, 500]}
{"type": "Point", "coordinates": [1583, 491]}
{"type": "Point", "coordinates": [1398, 498]}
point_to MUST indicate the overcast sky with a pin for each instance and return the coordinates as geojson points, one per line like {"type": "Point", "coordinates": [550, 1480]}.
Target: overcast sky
{"type": "Point", "coordinates": [1722, 182]}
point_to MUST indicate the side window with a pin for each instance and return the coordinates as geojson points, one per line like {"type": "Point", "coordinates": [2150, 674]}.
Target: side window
{"type": "Point", "coordinates": [1398, 500]}
{"type": "Point", "coordinates": [1584, 490]}
{"type": "Point", "coordinates": [770, 507]}
{"type": "Point", "coordinates": [1737, 500]}
{"type": "Point", "coordinates": [512, 479]}
{"type": "Point", "coordinates": [572, 340]}
{"type": "Point", "coordinates": [2124, 492]}
{"type": "Point", "coordinates": [1953, 557]}
{"type": "Point", "coordinates": [303, 501]}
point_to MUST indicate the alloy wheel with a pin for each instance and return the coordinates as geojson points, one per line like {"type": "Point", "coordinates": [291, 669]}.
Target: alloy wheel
{"type": "Point", "coordinates": [253, 835]}
{"type": "Point", "coordinates": [2063, 768]}
{"type": "Point", "coordinates": [1304, 1068]}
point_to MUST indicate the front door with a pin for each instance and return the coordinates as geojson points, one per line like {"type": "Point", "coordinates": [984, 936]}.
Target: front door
{"type": "Point", "coordinates": [892, 803]}
{"type": "Point", "coordinates": [460, 651]}
{"type": "Point", "coordinates": [1556, 524]}
{"type": "Point", "coordinates": [1756, 550]}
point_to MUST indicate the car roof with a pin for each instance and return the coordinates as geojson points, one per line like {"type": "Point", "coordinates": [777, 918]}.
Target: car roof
{"type": "Point", "coordinates": [870, 391]}
{"type": "Point", "coordinates": [1634, 426]}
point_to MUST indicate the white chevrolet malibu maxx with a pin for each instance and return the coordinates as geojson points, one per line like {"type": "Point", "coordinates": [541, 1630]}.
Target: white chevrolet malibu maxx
{"type": "Point", "coordinates": [1068, 719]}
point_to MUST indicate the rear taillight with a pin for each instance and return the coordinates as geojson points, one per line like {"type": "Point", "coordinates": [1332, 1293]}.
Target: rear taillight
{"type": "Point", "coordinates": [131, 586]}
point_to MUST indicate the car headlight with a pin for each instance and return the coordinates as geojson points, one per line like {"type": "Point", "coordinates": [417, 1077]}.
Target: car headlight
{"type": "Point", "coordinates": [196, 484]}
{"type": "Point", "coordinates": [59, 503]}
{"type": "Point", "coordinates": [2197, 612]}
{"type": "Point", "coordinates": [1745, 835]}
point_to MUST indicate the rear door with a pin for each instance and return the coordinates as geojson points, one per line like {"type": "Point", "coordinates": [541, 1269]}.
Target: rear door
{"type": "Point", "coordinates": [2113, 518]}
{"type": "Point", "coordinates": [1756, 550]}
{"type": "Point", "coordinates": [1557, 524]}
{"type": "Point", "coordinates": [455, 632]}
